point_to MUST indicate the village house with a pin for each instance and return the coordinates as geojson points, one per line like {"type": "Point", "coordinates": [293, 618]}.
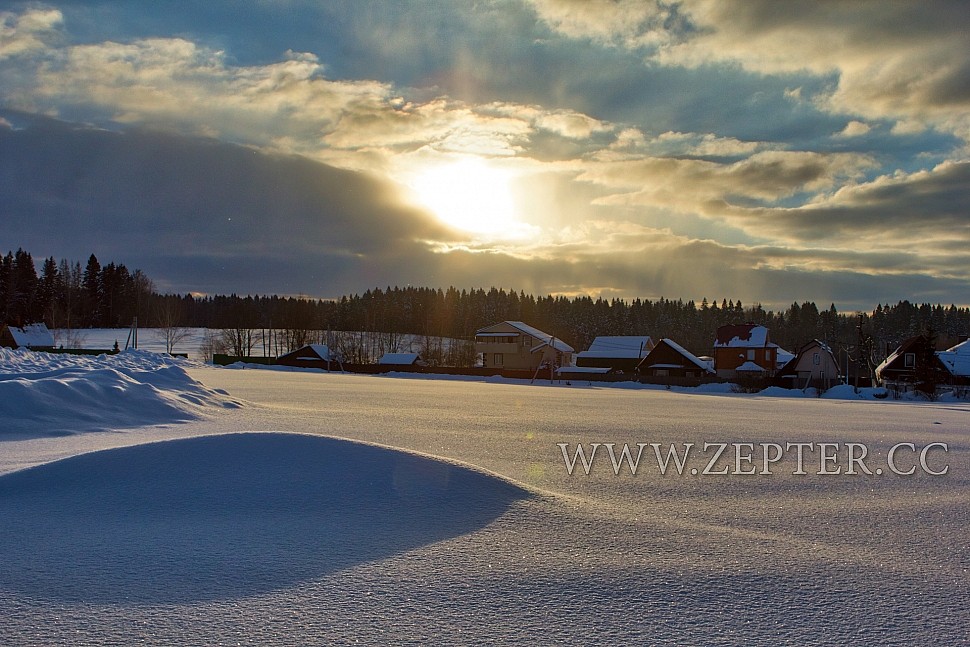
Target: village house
{"type": "Point", "coordinates": [744, 349]}
{"type": "Point", "coordinates": [814, 365]}
{"type": "Point", "coordinates": [670, 359]}
{"type": "Point", "coordinates": [615, 353]}
{"type": "Point", "coordinates": [310, 356]}
{"type": "Point", "coordinates": [911, 365]}
{"type": "Point", "coordinates": [33, 336]}
{"type": "Point", "coordinates": [516, 345]}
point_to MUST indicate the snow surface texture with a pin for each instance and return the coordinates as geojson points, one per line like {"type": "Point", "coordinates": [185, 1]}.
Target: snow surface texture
{"type": "Point", "coordinates": [50, 394]}
{"type": "Point", "coordinates": [483, 537]}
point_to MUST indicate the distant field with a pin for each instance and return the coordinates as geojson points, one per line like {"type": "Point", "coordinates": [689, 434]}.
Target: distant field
{"type": "Point", "coordinates": [151, 339]}
{"type": "Point", "coordinates": [148, 339]}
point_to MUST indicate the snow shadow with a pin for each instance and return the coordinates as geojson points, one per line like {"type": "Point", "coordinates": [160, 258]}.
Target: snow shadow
{"type": "Point", "coordinates": [224, 517]}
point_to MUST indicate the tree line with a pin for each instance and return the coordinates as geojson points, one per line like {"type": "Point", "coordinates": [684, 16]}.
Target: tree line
{"type": "Point", "coordinates": [65, 295]}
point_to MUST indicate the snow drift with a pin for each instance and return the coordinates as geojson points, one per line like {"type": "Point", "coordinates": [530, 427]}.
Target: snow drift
{"type": "Point", "coordinates": [228, 516]}
{"type": "Point", "coordinates": [52, 394]}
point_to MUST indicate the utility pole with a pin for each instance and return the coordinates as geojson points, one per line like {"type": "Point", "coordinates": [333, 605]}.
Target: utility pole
{"type": "Point", "coordinates": [858, 365]}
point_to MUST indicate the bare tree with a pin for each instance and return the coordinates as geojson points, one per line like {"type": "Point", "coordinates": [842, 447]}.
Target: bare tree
{"type": "Point", "coordinates": [68, 338]}
{"type": "Point", "coordinates": [432, 350]}
{"type": "Point", "coordinates": [211, 344]}
{"type": "Point", "coordinates": [461, 353]}
{"type": "Point", "coordinates": [168, 316]}
{"type": "Point", "coordinates": [238, 341]}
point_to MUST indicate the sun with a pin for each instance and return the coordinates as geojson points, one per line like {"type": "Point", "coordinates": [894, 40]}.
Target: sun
{"type": "Point", "coordinates": [471, 195]}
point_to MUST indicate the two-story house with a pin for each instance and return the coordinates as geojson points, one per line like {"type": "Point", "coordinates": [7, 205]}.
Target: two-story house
{"type": "Point", "coordinates": [516, 345]}
{"type": "Point", "coordinates": [744, 349]}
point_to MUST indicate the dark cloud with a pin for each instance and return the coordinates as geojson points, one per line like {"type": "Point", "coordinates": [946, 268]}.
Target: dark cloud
{"type": "Point", "coordinates": [904, 210]}
{"type": "Point", "coordinates": [183, 207]}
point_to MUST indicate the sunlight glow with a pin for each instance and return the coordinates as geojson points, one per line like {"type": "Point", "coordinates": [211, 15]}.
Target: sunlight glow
{"type": "Point", "coordinates": [471, 195]}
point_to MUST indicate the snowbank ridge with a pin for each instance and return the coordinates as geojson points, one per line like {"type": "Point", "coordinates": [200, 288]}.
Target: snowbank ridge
{"type": "Point", "coordinates": [228, 516]}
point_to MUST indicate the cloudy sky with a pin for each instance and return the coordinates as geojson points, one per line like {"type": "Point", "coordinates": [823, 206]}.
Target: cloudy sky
{"type": "Point", "coordinates": [754, 149]}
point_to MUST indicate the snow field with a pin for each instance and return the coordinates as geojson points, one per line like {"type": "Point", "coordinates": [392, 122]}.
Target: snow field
{"type": "Point", "coordinates": [472, 531]}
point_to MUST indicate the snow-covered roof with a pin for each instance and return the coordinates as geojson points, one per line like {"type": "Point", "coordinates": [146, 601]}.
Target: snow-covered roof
{"type": "Point", "coordinates": [320, 353]}
{"type": "Point", "coordinates": [496, 334]}
{"type": "Point", "coordinates": [560, 345]}
{"type": "Point", "coordinates": [32, 336]}
{"type": "Point", "coordinates": [399, 358]}
{"type": "Point", "coordinates": [742, 336]}
{"type": "Point", "coordinates": [618, 347]}
{"type": "Point", "coordinates": [322, 350]}
{"type": "Point", "coordinates": [750, 367]}
{"type": "Point", "coordinates": [957, 359]}
{"type": "Point", "coordinates": [783, 356]}
{"type": "Point", "coordinates": [693, 359]}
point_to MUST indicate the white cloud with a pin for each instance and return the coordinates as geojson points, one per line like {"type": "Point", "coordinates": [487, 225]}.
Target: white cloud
{"type": "Point", "coordinates": [27, 32]}
{"type": "Point", "coordinates": [626, 23]}
{"type": "Point", "coordinates": [855, 129]}
{"type": "Point", "coordinates": [902, 60]}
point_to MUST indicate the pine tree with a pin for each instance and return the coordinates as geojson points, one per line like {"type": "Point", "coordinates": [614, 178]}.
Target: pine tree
{"type": "Point", "coordinates": [91, 282]}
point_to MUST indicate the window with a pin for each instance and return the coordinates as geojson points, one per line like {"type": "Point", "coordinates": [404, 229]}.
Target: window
{"type": "Point", "coordinates": [499, 360]}
{"type": "Point", "coordinates": [751, 354]}
{"type": "Point", "coordinates": [816, 359]}
{"type": "Point", "coordinates": [527, 341]}
{"type": "Point", "coordinates": [909, 360]}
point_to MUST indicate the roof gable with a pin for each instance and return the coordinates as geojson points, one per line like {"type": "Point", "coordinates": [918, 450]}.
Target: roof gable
{"type": "Point", "coordinates": [663, 350]}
